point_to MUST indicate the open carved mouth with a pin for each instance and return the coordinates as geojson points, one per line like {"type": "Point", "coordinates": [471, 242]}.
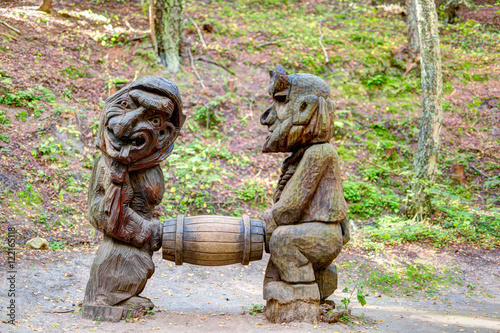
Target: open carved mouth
{"type": "Point", "coordinates": [136, 141]}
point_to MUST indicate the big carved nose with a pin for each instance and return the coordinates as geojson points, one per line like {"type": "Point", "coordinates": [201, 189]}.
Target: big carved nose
{"type": "Point", "coordinates": [121, 126]}
{"type": "Point", "coordinates": [268, 117]}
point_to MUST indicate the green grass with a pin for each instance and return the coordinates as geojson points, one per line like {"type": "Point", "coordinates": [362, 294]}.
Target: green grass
{"type": "Point", "coordinates": [402, 278]}
{"type": "Point", "coordinates": [197, 172]}
{"type": "Point", "coordinates": [367, 200]}
{"type": "Point", "coordinates": [30, 99]}
{"type": "Point", "coordinates": [453, 224]}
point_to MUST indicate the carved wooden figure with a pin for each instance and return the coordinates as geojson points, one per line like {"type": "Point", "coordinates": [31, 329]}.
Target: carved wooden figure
{"type": "Point", "coordinates": [137, 131]}
{"type": "Point", "coordinates": [305, 227]}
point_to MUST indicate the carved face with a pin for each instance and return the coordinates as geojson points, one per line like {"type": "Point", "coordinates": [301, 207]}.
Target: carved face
{"type": "Point", "coordinates": [141, 122]}
{"type": "Point", "coordinates": [138, 133]}
{"type": "Point", "coordinates": [301, 113]}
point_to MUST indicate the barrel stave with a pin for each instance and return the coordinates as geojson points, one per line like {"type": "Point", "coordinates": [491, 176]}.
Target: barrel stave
{"type": "Point", "coordinates": [212, 240]}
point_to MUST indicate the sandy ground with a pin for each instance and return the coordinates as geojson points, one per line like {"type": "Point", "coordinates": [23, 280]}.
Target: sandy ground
{"type": "Point", "coordinates": [210, 299]}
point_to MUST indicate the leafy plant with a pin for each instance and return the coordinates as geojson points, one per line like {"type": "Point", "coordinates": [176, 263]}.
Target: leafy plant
{"type": "Point", "coordinates": [351, 288]}
{"type": "Point", "coordinates": [49, 149]}
{"type": "Point", "coordinates": [22, 98]}
{"type": "Point", "coordinates": [115, 38]}
{"type": "Point", "coordinates": [367, 200]}
{"type": "Point", "coordinates": [254, 309]}
{"type": "Point", "coordinates": [73, 73]}
{"type": "Point", "coordinates": [3, 118]}
{"type": "Point", "coordinates": [150, 312]}
{"type": "Point", "coordinates": [408, 278]}
{"type": "Point", "coordinates": [57, 245]}
{"type": "Point", "coordinates": [191, 175]}
{"type": "Point", "coordinates": [252, 191]}
{"type": "Point", "coordinates": [29, 98]}
{"type": "Point", "coordinates": [115, 82]}
{"type": "Point", "coordinates": [209, 113]}
{"type": "Point", "coordinates": [30, 196]}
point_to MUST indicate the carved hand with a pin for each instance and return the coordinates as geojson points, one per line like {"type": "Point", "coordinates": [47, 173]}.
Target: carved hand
{"type": "Point", "coordinates": [269, 226]}
{"type": "Point", "coordinates": [156, 235]}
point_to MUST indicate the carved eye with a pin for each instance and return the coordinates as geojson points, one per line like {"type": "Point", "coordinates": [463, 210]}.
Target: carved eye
{"type": "Point", "coordinates": [280, 98]}
{"type": "Point", "coordinates": [156, 121]}
{"type": "Point", "coordinates": [303, 106]}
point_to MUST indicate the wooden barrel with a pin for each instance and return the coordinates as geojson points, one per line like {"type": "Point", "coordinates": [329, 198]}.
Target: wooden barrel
{"type": "Point", "coordinates": [210, 240]}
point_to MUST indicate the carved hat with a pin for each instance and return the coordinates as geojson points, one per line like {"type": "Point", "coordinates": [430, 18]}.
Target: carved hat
{"type": "Point", "coordinates": [299, 83]}
{"type": "Point", "coordinates": [149, 92]}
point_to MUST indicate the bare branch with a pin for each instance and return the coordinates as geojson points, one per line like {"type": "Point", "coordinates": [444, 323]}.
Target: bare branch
{"type": "Point", "coordinates": [10, 27]}
{"type": "Point", "coordinates": [479, 171]}
{"type": "Point", "coordinates": [199, 33]}
{"type": "Point", "coordinates": [213, 62]}
{"type": "Point", "coordinates": [321, 42]}
{"type": "Point", "coordinates": [271, 43]}
{"type": "Point", "coordinates": [8, 36]}
{"type": "Point", "coordinates": [194, 69]}
{"type": "Point", "coordinates": [127, 23]}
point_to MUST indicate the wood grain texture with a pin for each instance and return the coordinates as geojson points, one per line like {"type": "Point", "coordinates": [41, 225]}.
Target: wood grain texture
{"type": "Point", "coordinates": [305, 227]}
{"type": "Point", "coordinates": [213, 240]}
{"type": "Point", "coordinates": [138, 127]}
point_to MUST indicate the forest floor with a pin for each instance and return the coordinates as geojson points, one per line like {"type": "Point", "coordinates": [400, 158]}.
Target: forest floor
{"type": "Point", "coordinates": [57, 70]}
{"type": "Point", "coordinates": [192, 298]}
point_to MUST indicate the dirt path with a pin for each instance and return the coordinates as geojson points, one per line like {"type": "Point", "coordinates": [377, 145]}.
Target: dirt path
{"type": "Point", "coordinates": [210, 299]}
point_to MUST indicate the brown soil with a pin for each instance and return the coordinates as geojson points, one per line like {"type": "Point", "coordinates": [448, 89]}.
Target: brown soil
{"type": "Point", "coordinates": [191, 298]}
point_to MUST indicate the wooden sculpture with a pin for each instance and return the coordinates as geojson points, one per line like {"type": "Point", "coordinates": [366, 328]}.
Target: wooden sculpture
{"type": "Point", "coordinates": [305, 227]}
{"type": "Point", "coordinates": [137, 131]}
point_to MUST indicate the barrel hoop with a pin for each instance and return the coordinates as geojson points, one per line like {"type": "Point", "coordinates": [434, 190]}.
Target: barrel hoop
{"type": "Point", "coordinates": [179, 240]}
{"type": "Point", "coordinates": [248, 244]}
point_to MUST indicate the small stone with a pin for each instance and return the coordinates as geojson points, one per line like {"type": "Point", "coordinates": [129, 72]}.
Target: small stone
{"type": "Point", "coordinates": [38, 243]}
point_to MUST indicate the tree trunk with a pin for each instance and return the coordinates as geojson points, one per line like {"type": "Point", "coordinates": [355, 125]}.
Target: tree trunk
{"type": "Point", "coordinates": [429, 140]}
{"type": "Point", "coordinates": [412, 28]}
{"type": "Point", "coordinates": [46, 6]}
{"type": "Point", "coordinates": [166, 31]}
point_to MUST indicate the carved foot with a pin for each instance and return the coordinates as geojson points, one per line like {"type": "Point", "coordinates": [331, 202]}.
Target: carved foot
{"type": "Point", "coordinates": [292, 302]}
{"type": "Point", "coordinates": [327, 281]}
{"type": "Point", "coordinates": [134, 307]}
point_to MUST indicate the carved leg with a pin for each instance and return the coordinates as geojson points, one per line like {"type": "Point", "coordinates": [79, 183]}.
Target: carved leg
{"type": "Point", "coordinates": [118, 275]}
{"type": "Point", "coordinates": [272, 273]}
{"type": "Point", "coordinates": [295, 251]}
{"type": "Point", "coordinates": [327, 282]}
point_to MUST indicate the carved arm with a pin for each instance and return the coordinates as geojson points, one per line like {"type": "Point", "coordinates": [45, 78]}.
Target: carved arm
{"type": "Point", "coordinates": [300, 189]}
